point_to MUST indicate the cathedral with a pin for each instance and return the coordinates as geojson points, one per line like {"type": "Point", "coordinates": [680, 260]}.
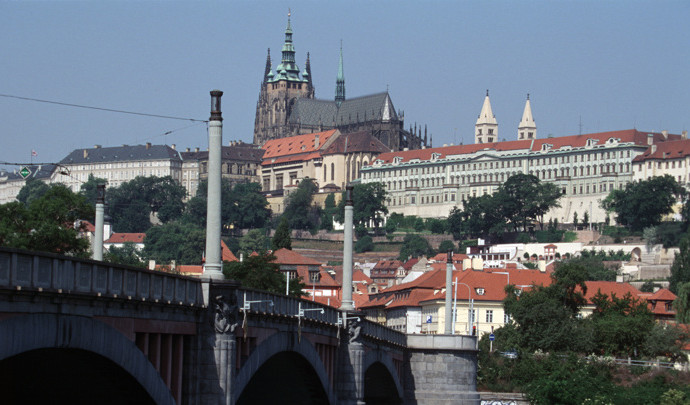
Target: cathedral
{"type": "Point", "coordinates": [287, 106]}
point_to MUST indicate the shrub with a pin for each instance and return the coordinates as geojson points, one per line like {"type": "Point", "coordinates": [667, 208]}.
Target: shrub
{"type": "Point", "coordinates": [364, 244]}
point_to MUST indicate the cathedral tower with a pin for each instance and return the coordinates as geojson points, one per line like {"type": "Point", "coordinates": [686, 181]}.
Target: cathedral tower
{"type": "Point", "coordinates": [527, 129]}
{"type": "Point", "coordinates": [279, 93]}
{"type": "Point", "coordinates": [486, 128]}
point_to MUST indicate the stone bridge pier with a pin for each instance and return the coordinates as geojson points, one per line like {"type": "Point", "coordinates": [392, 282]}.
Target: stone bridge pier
{"type": "Point", "coordinates": [255, 348]}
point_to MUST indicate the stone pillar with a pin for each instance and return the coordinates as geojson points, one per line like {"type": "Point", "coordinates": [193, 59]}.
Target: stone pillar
{"type": "Point", "coordinates": [350, 371]}
{"type": "Point", "coordinates": [213, 264]}
{"type": "Point", "coordinates": [100, 213]}
{"type": "Point", "coordinates": [347, 303]}
{"type": "Point", "coordinates": [449, 289]}
{"type": "Point", "coordinates": [441, 370]}
{"type": "Point", "coordinates": [217, 349]}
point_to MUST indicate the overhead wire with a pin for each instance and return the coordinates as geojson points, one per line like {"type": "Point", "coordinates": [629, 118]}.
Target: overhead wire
{"type": "Point", "coordinates": [38, 100]}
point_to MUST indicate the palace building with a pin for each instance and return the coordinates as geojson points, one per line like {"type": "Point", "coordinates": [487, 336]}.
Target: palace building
{"type": "Point", "coordinates": [430, 182]}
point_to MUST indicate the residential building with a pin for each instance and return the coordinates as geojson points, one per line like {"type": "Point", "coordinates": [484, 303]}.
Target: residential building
{"type": "Point", "coordinates": [287, 106]}
{"type": "Point", "coordinates": [318, 282]}
{"type": "Point", "coordinates": [12, 182]}
{"type": "Point", "coordinates": [387, 273]}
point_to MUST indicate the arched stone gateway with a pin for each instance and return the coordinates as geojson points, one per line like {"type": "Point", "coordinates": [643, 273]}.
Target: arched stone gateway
{"type": "Point", "coordinates": [283, 366]}
{"type": "Point", "coordinates": [84, 341]}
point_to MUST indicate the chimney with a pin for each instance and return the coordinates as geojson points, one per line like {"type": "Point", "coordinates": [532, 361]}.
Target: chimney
{"type": "Point", "coordinates": [541, 264]}
{"type": "Point", "coordinates": [665, 134]}
{"type": "Point", "coordinates": [86, 153]}
{"type": "Point", "coordinates": [196, 149]}
{"type": "Point", "coordinates": [152, 265]}
{"type": "Point", "coordinates": [187, 150]}
{"type": "Point", "coordinates": [316, 141]}
{"type": "Point", "coordinates": [653, 149]}
{"type": "Point", "coordinates": [148, 145]}
{"type": "Point", "coordinates": [173, 147]}
{"type": "Point", "coordinates": [97, 146]}
{"type": "Point", "coordinates": [684, 135]}
{"type": "Point", "coordinates": [650, 139]}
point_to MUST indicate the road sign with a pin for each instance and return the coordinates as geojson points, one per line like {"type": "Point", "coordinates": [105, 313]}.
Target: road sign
{"type": "Point", "coordinates": [428, 319]}
{"type": "Point", "coordinates": [492, 337]}
{"type": "Point", "coordinates": [24, 172]}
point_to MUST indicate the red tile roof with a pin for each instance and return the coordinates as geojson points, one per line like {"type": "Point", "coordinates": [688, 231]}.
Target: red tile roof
{"type": "Point", "coordinates": [286, 256]}
{"type": "Point", "coordinates": [663, 294]}
{"type": "Point", "coordinates": [227, 255]}
{"type": "Point", "coordinates": [609, 288]}
{"type": "Point", "coordinates": [575, 141]}
{"type": "Point", "coordinates": [126, 238]}
{"type": "Point", "coordinates": [294, 145]}
{"type": "Point", "coordinates": [666, 150]}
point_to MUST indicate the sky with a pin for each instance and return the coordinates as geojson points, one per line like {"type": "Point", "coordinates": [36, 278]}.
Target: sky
{"type": "Point", "coordinates": [589, 66]}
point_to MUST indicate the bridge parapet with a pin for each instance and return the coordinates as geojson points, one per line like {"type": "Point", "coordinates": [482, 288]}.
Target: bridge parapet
{"type": "Point", "coordinates": [45, 272]}
{"type": "Point", "coordinates": [383, 333]}
{"type": "Point", "coordinates": [259, 302]}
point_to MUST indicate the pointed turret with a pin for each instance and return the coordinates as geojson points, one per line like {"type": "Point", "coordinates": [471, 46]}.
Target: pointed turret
{"type": "Point", "coordinates": [527, 129]}
{"type": "Point", "coordinates": [486, 128]}
{"type": "Point", "coordinates": [288, 70]}
{"type": "Point", "coordinates": [340, 80]}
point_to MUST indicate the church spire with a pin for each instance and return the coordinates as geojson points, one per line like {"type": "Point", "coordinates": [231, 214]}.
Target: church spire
{"type": "Point", "coordinates": [486, 128]}
{"type": "Point", "coordinates": [527, 129]}
{"type": "Point", "coordinates": [267, 71]}
{"type": "Point", "coordinates": [288, 70]}
{"type": "Point", "coordinates": [340, 80]}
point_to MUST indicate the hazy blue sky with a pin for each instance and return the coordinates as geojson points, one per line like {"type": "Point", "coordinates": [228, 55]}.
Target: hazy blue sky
{"type": "Point", "coordinates": [612, 64]}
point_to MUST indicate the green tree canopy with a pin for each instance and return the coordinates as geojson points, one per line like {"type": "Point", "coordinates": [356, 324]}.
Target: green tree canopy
{"type": "Point", "coordinates": [182, 242]}
{"type": "Point", "coordinates": [47, 223]}
{"type": "Point", "coordinates": [253, 241]}
{"type": "Point", "coordinates": [680, 270]}
{"type": "Point", "coordinates": [299, 207]}
{"type": "Point", "coordinates": [261, 272]}
{"type": "Point", "coordinates": [682, 303]}
{"type": "Point", "coordinates": [90, 189]}
{"type": "Point", "coordinates": [132, 203]}
{"type": "Point", "coordinates": [281, 238]}
{"type": "Point", "coordinates": [127, 254]}
{"type": "Point", "coordinates": [369, 205]}
{"type": "Point", "coordinates": [414, 246]}
{"type": "Point", "coordinates": [643, 203]}
{"type": "Point", "coordinates": [33, 189]}
{"type": "Point", "coordinates": [447, 245]}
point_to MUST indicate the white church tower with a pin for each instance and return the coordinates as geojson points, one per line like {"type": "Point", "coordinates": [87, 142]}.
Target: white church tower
{"type": "Point", "coordinates": [527, 128]}
{"type": "Point", "coordinates": [486, 128]}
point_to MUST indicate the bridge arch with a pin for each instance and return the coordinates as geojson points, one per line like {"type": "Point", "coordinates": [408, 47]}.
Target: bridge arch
{"type": "Point", "coordinates": [30, 333]}
{"type": "Point", "coordinates": [381, 380]}
{"type": "Point", "coordinates": [280, 347]}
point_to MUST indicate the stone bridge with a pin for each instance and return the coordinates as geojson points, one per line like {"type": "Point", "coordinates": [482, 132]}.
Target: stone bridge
{"type": "Point", "coordinates": [84, 331]}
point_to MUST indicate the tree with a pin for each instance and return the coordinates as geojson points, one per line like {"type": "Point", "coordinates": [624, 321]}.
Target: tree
{"type": "Point", "coordinates": [447, 245]}
{"type": "Point", "coordinates": [524, 198]}
{"type": "Point", "coordinates": [249, 206]}
{"type": "Point", "coordinates": [184, 243]}
{"type": "Point", "coordinates": [328, 213]}
{"type": "Point", "coordinates": [281, 239]}
{"type": "Point", "coordinates": [435, 225]}
{"type": "Point", "coordinates": [575, 221]}
{"type": "Point", "coordinates": [585, 219]}
{"type": "Point", "coordinates": [127, 255]}
{"type": "Point", "coordinates": [90, 189]}
{"type": "Point", "coordinates": [414, 246]}
{"type": "Point", "coordinates": [369, 205]}
{"type": "Point", "coordinates": [643, 203]}
{"type": "Point", "coordinates": [253, 241]}
{"type": "Point", "coordinates": [364, 244]}
{"type": "Point", "coordinates": [680, 270]}
{"type": "Point", "coordinates": [299, 210]}
{"type": "Point", "coordinates": [682, 303]}
{"type": "Point", "coordinates": [33, 189]}
{"type": "Point", "coordinates": [263, 273]}
{"type": "Point", "coordinates": [620, 325]}
{"type": "Point", "coordinates": [47, 224]}
{"type": "Point", "coordinates": [134, 202]}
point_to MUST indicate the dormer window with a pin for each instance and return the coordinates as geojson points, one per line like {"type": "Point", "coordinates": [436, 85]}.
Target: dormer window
{"type": "Point", "coordinates": [435, 156]}
{"type": "Point", "coordinates": [397, 160]}
{"type": "Point", "coordinates": [591, 142]}
{"type": "Point", "coordinates": [479, 291]}
{"type": "Point", "coordinates": [546, 146]}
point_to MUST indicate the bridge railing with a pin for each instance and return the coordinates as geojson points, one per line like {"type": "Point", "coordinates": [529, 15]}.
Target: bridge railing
{"type": "Point", "coordinates": [380, 332]}
{"type": "Point", "coordinates": [259, 302]}
{"type": "Point", "coordinates": [46, 272]}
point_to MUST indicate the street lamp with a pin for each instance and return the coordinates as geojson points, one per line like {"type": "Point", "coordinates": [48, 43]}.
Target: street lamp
{"type": "Point", "coordinates": [471, 306]}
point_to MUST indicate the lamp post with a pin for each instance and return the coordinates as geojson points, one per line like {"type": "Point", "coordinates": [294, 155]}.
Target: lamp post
{"type": "Point", "coordinates": [470, 305]}
{"type": "Point", "coordinates": [213, 265]}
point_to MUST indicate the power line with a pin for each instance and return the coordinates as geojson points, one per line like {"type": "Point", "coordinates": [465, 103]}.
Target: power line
{"type": "Point", "coordinates": [100, 108]}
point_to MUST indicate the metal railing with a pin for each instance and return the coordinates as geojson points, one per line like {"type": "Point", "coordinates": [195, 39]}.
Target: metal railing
{"type": "Point", "coordinates": [283, 305]}
{"type": "Point", "coordinates": [46, 272]}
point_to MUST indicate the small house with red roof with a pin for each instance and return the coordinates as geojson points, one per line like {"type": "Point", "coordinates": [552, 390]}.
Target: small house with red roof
{"type": "Point", "coordinates": [118, 239]}
{"type": "Point", "coordinates": [661, 305]}
{"type": "Point", "coordinates": [387, 273]}
{"type": "Point", "coordinates": [318, 282]}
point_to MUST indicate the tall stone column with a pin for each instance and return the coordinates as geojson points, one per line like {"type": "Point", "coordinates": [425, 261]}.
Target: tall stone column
{"type": "Point", "coordinates": [100, 213]}
{"type": "Point", "coordinates": [213, 264]}
{"type": "Point", "coordinates": [449, 289]}
{"type": "Point", "coordinates": [347, 303]}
